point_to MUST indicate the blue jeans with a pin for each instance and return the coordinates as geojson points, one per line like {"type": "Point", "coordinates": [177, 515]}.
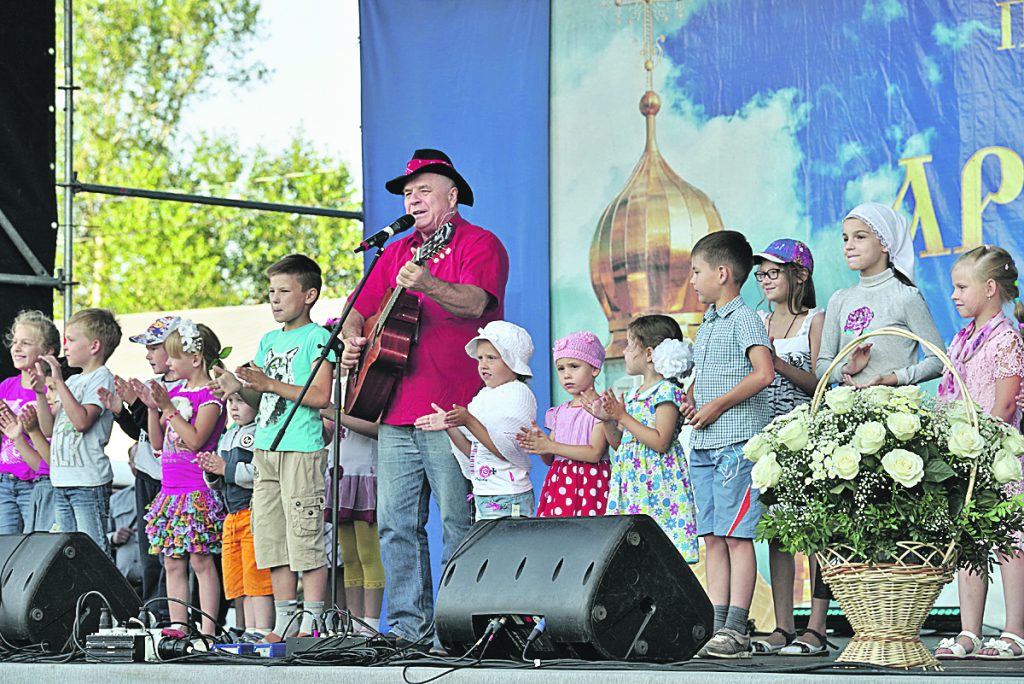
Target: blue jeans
{"type": "Point", "coordinates": [15, 504]}
{"type": "Point", "coordinates": [84, 509]}
{"type": "Point", "coordinates": [412, 464]}
{"type": "Point", "coordinates": [43, 506]}
{"type": "Point", "coordinates": [490, 506]}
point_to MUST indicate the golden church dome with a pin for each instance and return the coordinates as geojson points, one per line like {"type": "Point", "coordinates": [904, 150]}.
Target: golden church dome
{"type": "Point", "coordinates": [640, 255]}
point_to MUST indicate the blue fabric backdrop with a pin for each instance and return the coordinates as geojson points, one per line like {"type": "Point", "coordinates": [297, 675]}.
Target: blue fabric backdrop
{"type": "Point", "coordinates": [469, 78]}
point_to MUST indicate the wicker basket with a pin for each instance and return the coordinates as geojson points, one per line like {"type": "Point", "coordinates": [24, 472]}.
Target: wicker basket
{"type": "Point", "coordinates": [887, 603]}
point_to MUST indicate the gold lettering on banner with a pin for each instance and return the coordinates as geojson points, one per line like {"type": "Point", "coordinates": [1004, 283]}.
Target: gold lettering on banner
{"type": "Point", "coordinates": [916, 179]}
{"type": "Point", "coordinates": [972, 203]}
{"type": "Point", "coordinates": [1006, 23]}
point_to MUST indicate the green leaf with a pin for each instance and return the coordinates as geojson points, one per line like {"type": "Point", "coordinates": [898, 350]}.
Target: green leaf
{"type": "Point", "coordinates": [938, 470]}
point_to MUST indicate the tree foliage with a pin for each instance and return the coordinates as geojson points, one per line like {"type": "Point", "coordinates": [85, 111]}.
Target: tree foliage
{"type": "Point", "coordinates": [140, 64]}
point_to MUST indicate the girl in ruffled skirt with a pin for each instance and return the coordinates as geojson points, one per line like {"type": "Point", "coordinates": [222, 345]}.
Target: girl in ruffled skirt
{"type": "Point", "coordinates": [185, 520]}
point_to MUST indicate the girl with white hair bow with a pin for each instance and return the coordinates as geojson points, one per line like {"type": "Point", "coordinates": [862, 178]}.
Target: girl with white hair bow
{"type": "Point", "coordinates": [877, 244]}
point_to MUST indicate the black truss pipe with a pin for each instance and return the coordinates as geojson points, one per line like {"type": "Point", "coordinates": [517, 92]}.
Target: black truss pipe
{"type": "Point", "coordinates": [216, 201]}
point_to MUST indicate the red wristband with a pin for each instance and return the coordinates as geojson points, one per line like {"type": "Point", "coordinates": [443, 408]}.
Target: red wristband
{"type": "Point", "coordinates": [167, 418]}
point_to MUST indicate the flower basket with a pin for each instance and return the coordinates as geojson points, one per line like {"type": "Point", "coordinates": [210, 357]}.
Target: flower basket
{"type": "Point", "coordinates": [892, 495]}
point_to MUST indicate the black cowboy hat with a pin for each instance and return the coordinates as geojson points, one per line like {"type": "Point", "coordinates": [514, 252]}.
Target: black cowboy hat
{"type": "Point", "coordinates": [431, 161]}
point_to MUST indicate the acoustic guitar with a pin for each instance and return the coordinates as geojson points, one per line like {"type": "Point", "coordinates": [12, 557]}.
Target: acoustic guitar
{"type": "Point", "coordinates": [390, 334]}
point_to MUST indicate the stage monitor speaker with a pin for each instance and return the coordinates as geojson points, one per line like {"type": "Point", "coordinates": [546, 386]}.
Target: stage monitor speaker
{"type": "Point", "coordinates": [607, 587]}
{"type": "Point", "coordinates": [41, 578]}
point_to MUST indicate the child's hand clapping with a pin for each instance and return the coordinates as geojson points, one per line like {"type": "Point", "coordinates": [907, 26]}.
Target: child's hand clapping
{"type": "Point", "coordinates": [255, 379]}
{"type": "Point", "coordinates": [432, 422]}
{"type": "Point", "coordinates": [124, 390]}
{"type": "Point", "coordinates": [110, 400]}
{"type": "Point", "coordinates": [224, 382]}
{"type": "Point", "coordinates": [613, 406]}
{"type": "Point", "coordinates": [37, 377]}
{"type": "Point", "coordinates": [534, 440]}
{"type": "Point", "coordinates": [442, 420]}
{"type": "Point", "coordinates": [210, 462]}
{"type": "Point", "coordinates": [54, 365]}
{"type": "Point", "coordinates": [593, 403]}
{"type": "Point", "coordinates": [9, 423]}
{"type": "Point", "coordinates": [144, 392]}
{"type": "Point", "coordinates": [161, 398]}
{"type": "Point", "coordinates": [29, 419]}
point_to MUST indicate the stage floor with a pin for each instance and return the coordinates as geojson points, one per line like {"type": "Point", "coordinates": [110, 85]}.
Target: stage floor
{"type": "Point", "coordinates": [754, 671]}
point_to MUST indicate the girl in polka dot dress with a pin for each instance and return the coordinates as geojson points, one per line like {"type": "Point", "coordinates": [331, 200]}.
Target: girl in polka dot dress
{"type": "Point", "coordinates": [649, 470]}
{"type": "Point", "coordinates": [577, 448]}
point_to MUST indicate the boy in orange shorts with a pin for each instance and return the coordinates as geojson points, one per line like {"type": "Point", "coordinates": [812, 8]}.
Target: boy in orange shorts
{"type": "Point", "coordinates": [230, 470]}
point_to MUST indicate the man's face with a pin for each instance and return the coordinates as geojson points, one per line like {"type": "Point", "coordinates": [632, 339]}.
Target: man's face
{"type": "Point", "coordinates": [431, 199]}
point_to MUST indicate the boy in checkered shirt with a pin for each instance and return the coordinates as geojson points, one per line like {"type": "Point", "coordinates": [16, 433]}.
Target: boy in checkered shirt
{"type": "Point", "coordinates": [733, 358]}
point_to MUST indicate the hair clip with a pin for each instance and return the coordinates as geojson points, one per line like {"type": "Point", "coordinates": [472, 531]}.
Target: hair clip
{"type": "Point", "coordinates": [1006, 266]}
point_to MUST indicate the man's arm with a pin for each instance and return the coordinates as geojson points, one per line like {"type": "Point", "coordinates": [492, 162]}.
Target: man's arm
{"type": "Point", "coordinates": [464, 301]}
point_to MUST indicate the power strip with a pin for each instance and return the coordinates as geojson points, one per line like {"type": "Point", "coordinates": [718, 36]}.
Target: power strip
{"type": "Point", "coordinates": [117, 646]}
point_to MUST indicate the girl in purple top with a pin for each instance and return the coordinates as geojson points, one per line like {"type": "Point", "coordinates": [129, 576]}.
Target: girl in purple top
{"type": "Point", "coordinates": [31, 335]}
{"type": "Point", "coordinates": [185, 520]}
{"type": "Point", "coordinates": [577, 448]}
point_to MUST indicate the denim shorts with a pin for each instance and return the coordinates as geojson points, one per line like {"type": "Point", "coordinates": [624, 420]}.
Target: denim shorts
{"type": "Point", "coordinates": [727, 503]}
{"type": "Point", "coordinates": [489, 506]}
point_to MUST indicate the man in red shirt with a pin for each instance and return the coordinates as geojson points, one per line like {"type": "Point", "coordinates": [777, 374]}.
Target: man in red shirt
{"type": "Point", "coordinates": [458, 294]}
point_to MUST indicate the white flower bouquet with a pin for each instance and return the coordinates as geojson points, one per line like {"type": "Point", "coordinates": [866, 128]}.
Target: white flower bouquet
{"type": "Point", "coordinates": [871, 469]}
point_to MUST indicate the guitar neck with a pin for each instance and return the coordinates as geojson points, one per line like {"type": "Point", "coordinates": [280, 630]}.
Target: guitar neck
{"type": "Point", "coordinates": [386, 311]}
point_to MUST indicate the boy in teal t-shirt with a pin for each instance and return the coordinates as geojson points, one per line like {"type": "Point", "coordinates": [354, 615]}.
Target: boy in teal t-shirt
{"type": "Point", "coordinates": [288, 488]}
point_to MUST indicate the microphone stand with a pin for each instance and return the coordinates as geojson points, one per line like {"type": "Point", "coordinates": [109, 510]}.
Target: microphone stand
{"type": "Point", "coordinates": [335, 344]}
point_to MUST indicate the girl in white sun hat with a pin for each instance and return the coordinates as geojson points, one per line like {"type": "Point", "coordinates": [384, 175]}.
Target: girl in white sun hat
{"type": "Point", "coordinates": [483, 434]}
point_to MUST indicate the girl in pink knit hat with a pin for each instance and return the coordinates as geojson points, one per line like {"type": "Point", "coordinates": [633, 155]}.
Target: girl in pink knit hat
{"type": "Point", "coordinates": [577, 449]}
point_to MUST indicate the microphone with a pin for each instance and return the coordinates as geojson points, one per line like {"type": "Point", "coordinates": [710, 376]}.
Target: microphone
{"type": "Point", "coordinates": [400, 225]}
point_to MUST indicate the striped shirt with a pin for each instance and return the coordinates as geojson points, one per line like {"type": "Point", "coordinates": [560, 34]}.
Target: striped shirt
{"type": "Point", "coordinates": [720, 354]}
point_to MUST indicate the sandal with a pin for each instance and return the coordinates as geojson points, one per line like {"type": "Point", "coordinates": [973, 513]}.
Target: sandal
{"type": "Point", "coordinates": [802, 648]}
{"type": "Point", "coordinates": [765, 647]}
{"type": "Point", "coordinates": [955, 650]}
{"type": "Point", "coordinates": [1003, 646]}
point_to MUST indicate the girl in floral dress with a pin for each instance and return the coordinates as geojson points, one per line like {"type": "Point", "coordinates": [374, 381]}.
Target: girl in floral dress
{"type": "Point", "coordinates": [185, 520]}
{"type": "Point", "coordinates": [989, 356]}
{"type": "Point", "coordinates": [649, 472]}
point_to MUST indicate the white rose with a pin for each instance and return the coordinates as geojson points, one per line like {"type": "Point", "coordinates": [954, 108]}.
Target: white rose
{"type": "Point", "coordinates": [793, 435]}
{"type": "Point", "coordinates": [869, 437]}
{"type": "Point", "coordinates": [1006, 467]}
{"type": "Point", "coordinates": [766, 473]}
{"type": "Point", "coordinates": [756, 447]}
{"type": "Point", "coordinates": [846, 462]}
{"type": "Point", "coordinates": [964, 441]}
{"type": "Point", "coordinates": [878, 395]}
{"type": "Point", "coordinates": [909, 393]}
{"type": "Point", "coordinates": [1013, 442]}
{"type": "Point", "coordinates": [840, 400]}
{"type": "Point", "coordinates": [904, 467]}
{"type": "Point", "coordinates": [903, 426]}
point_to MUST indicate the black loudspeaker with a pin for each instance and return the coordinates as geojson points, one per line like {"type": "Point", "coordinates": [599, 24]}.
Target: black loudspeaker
{"type": "Point", "coordinates": [608, 588]}
{"type": "Point", "coordinates": [41, 578]}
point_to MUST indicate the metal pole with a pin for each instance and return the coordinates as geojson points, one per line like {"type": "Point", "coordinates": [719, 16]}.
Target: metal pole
{"type": "Point", "coordinates": [119, 191]}
{"type": "Point", "coordinates": [69, 159]}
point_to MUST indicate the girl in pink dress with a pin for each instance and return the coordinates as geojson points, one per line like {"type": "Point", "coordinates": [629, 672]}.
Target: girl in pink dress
{"type": "Point", "coordinates": [31, 336]}
{"type": "Point", "coordinates": [577, 449]}
{"type": "Point", "coordinates": [185, 520]}
{"type": "Point", "coordinates": [989, 356]}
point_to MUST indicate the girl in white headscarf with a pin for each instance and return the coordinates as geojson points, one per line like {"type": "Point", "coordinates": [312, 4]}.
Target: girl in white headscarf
{"type": "Point", "coordinates": [877, 244]}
